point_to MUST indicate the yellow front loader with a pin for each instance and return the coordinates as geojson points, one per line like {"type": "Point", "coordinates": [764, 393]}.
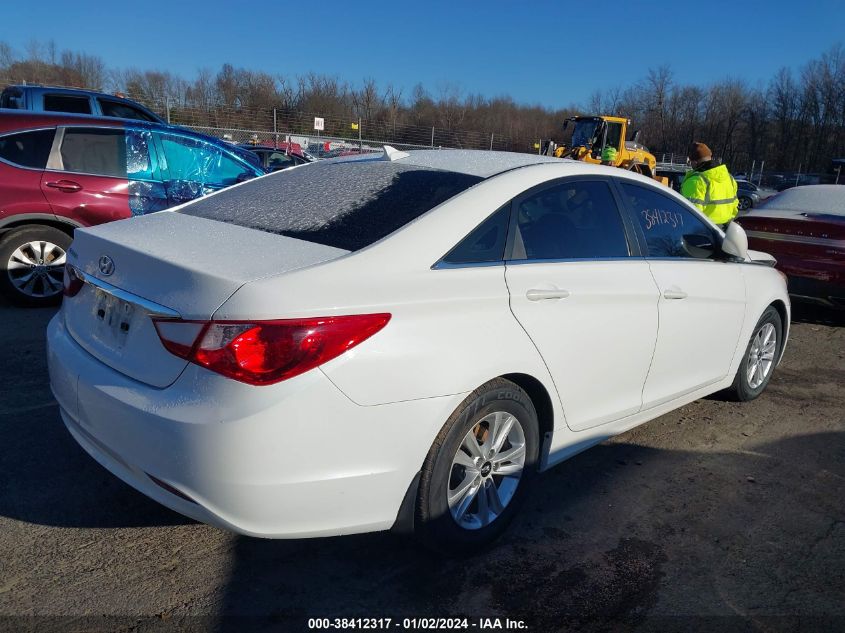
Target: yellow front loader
{"type": "Point", "coordinates": [591, 135]}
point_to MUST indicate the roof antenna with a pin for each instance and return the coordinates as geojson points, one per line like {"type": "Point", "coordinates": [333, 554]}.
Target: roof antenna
{"type": "Point", "coordinates": [391, 153]}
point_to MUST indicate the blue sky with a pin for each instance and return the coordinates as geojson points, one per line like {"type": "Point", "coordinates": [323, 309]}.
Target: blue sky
{"type": "Point", "coordinates": [554, 53]}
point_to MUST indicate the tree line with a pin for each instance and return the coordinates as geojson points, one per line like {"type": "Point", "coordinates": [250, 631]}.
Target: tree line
{"type": "Point", "coordinates": [795, 121]}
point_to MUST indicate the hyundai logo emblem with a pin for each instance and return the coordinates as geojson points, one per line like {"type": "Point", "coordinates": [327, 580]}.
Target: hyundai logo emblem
{"type": "Point", "coordinates": [106, 265]}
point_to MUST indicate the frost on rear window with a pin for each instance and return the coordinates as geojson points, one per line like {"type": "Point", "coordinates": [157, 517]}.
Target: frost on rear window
{"type": "Point", "coordinates": [816, 199]}
{"type": "Point", "coordinates": [346, 205]}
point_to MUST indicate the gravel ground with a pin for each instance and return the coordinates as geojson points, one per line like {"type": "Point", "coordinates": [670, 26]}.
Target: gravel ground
{"type": "Point", "coordinates": [718, 516]}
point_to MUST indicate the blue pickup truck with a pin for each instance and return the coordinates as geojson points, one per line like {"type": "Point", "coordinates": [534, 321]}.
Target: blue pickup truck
{"type": "Point", "coordinates": [73, 101]}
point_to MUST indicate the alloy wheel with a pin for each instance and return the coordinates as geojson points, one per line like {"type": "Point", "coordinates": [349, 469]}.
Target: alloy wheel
{"type": "Point", "coordinates": [761, 356]}
{"type": "Point", "coordinates": [36, 268]}
{"type": "Point", "coordinates": [486, 470]}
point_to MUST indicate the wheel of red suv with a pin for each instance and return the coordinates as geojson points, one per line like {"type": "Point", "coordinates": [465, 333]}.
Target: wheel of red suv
{"type": "Point", "coordinates": [32, 260]}
{"type": "Point", "coordinates": [479, 470]}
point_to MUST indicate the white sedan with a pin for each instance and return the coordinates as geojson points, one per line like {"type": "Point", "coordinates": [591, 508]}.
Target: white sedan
{"type": "Point", "coordinates": [399, 342]}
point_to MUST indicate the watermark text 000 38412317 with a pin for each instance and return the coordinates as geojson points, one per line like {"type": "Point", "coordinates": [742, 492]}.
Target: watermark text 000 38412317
{"type": "Point", "coordinates": [418, 624]}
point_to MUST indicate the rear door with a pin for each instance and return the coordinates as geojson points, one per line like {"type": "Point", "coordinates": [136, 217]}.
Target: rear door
{"type": "Point", "coordinates": [584, 297]}
{"type": "Point", "coordinates": [100, 174]}
{"type": "Point", "coordinates": [702, 297]}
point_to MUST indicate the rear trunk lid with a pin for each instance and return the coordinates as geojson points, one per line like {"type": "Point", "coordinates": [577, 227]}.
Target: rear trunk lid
{"type": "Point", "coordinates": [167, 265]}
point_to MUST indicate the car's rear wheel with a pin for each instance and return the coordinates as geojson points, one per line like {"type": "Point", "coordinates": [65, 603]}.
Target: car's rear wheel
{"type": "Point", "coordinates": [745, 203]}
{"type": "Point", "coordinates": [760, 357]}
{"type": "Point", "coordinates": [479, 469]}
{"type": "Point", "coordinates": [32, 260]}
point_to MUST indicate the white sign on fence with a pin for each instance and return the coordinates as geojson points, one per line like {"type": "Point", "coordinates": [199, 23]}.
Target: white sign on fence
{"type": "Point", "coordinates": [319, 124]}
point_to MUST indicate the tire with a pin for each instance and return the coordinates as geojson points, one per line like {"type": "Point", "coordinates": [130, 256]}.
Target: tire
{"type": "Point", "coordinates": [746, 387]}
{"type": "Point", "coordinates": [32, 265]}
{"type": "Point", "coordinates": [449, 467]}
{"type": "Point", "coordinates": [745, 203]}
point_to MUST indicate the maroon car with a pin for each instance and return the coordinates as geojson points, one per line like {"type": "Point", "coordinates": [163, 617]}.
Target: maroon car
{"type": "Point", "coordinates": [804, 229]}
{"type": "Point", "coordinates": [59, 172]}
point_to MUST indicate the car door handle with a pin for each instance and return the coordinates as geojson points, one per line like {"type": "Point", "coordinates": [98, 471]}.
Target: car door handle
{"type": "Point", "coordinates": [68, 186]}
{"type": "Point", "coordinates": [540, 294]}
{"type": "Point", "coordinates": [673, 292]}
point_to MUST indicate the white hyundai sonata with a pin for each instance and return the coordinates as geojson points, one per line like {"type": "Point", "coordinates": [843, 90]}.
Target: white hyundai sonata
{"type": "Point", "coordinates": [401, 341]}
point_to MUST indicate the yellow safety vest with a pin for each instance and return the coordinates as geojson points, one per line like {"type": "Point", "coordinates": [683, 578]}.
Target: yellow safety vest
{"type": "Point", "coordinates": [713, 191]}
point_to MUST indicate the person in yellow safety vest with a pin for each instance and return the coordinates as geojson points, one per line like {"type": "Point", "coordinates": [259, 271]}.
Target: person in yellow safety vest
{"type": "Point", "coordinates": [710, 186]}
{"type": "Point", "coordinates": [608, 155]}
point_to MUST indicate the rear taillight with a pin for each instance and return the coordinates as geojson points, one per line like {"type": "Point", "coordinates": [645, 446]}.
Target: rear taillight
{"type": "Point", "coordinates": [266, 352]}
{"type": "Point", "coordinates": [73, 281]}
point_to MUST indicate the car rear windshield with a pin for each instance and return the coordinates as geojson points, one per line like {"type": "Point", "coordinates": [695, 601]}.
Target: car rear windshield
{"type": "Point", "coordinates": [346, 205]}
{"type": "Point", "coordinates": [818, 199]}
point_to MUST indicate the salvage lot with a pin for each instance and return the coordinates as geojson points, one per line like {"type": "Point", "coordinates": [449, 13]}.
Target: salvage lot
{"type": "Point", "coordinates": [717, 509]}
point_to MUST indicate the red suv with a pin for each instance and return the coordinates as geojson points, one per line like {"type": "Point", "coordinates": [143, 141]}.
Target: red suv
{"type": "Point", "coordinates": [59, 172]}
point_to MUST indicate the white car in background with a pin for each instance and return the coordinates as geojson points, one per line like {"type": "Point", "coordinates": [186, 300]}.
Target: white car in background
{"type": "Point", "coordinates": [399, 342]}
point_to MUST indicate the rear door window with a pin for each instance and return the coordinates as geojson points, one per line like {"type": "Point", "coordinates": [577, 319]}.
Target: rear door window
{"type": "Point", "coordinates": [348, 205]}
{"type": "Point", "coordinates": [122, 110]}
{"type": "Point", "coordinates": [67, 103]}
{"type": "Point", "coordinates": [96, 151]}
{"type": "Point", "coordinates": [571, 220]}
{"type": "Point", "coordinates": [28, 149]}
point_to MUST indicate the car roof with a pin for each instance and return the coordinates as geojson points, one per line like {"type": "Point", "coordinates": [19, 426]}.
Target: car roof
{"type": "Point", "coordinates": [486, 164]}
{"type": "Point", "coordinates": [481, 163]}
{"type": "Point", "coordinates": [69, 91]}
{"type": "Point", "coordinates": [13, 120]}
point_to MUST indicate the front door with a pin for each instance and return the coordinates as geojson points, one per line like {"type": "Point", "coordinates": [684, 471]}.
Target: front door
{"type": "Point", "coordinates": [587, 304]}
{"type": "Point", "coordinates": [193, 167]}
{"type": "Point", "coordinates": [702, 296]}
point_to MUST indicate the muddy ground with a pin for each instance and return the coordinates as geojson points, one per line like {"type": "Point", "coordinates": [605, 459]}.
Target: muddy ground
{"type": "Point", "coordinates": [718, 516]}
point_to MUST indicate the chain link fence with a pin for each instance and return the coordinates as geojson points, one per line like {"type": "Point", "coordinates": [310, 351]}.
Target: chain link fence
{"type": "Point", "coordinates": [276, 124]}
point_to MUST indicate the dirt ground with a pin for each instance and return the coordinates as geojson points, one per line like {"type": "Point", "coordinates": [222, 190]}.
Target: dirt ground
{"type": "Point", "coordinates": [718, 516]}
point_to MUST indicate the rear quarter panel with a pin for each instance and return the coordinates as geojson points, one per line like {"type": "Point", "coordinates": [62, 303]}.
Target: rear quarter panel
{"type": "Point", "coordinates": [451, 330]}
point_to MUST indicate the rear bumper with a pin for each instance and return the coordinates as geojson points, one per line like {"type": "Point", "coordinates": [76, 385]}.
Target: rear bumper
{"type": "Point", "coordinates": [297, 459]}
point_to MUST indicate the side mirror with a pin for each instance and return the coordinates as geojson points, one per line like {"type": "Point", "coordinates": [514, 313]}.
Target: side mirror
{"type": "Point", "coordinates": [736, 241]}
{"type": "Point", "coordinates": [699, 246]}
